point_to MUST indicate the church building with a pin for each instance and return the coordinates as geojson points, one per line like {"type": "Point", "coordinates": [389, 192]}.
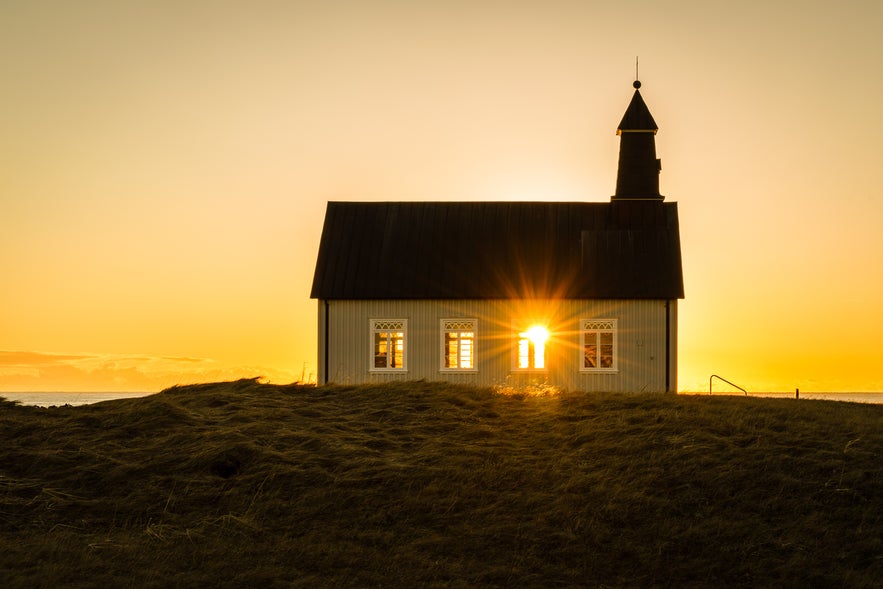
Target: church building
{"type": "Point", "coordinates": [578, 295]}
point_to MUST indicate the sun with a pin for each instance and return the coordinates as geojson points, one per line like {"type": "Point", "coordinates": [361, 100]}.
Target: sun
{"type": "Point", "coordinates": [537, 334]}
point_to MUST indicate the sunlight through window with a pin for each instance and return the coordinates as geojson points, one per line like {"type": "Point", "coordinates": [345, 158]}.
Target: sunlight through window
{"type": "Point", "coordinates": [458, 344]}
{"type": "Point", "coordinates": [532, 347]}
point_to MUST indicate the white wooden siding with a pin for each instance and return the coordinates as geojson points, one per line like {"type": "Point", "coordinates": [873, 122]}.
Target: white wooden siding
{"type": "Point", "coordinates": [640, 338]}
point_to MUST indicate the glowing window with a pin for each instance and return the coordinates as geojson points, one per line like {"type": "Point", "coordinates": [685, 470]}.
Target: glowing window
{"type": "Point", "coordinates": [598, 344]}
{"type": "Point", "coordinates": [388, 344]}
{"type": "Point", "coordinates": [531, 349]}
{"type": "Point", "coordinates": [458, 344]}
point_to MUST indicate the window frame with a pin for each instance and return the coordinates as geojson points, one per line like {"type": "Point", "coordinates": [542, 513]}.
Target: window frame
{"type": "Point", "coordinates": [388, 326]}
{"type": "Point", "coordinates": [597, 326]}
{"type": "Point", "coordinates": [446, 327]}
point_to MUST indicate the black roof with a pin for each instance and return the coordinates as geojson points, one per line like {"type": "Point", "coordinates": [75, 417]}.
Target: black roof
{"type": "Point", "coordinates": [637, 116]}
{"type": "Point", "coordinates": [496, 250]}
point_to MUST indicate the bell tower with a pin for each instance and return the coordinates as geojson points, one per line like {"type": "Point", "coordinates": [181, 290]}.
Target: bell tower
{"type": "Point", "coordinates": [637, 177]}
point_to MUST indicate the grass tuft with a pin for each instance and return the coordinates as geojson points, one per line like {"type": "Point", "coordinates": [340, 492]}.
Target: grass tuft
{"type": "Point", "coordinates": [245, 484]}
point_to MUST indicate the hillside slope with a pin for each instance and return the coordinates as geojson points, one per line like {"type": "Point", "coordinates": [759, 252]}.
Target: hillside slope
{"type": "Point", "coordinates": [429, 485]}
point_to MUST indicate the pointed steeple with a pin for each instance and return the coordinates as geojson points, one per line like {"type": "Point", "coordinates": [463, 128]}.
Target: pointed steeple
{"type": "Point", "coordinates": [638, 175]}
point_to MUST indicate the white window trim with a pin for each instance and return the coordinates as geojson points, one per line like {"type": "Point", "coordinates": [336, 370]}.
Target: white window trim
{"type": "Point", "coordinates": [595, 325]}
{"type": "Point", "coordinates": [374, 329]}
{"type": "Point", "coordinates": [517, 329]}
{"type": "Point", "coordinates": [444, 329]}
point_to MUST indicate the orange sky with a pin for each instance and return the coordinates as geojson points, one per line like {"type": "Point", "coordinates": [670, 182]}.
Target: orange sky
{"type": "Point", "coordinates": [164, 169]}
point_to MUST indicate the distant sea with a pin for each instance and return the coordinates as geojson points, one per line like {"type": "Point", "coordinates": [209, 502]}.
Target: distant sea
{"type": "Point", "coordinates": [59, 399]}
{"type": "Point", "coordinates": [847, 397]}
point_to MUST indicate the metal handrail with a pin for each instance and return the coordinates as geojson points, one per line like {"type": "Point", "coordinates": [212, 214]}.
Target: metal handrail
{"type": "Point", "coordinates": [713, 376]}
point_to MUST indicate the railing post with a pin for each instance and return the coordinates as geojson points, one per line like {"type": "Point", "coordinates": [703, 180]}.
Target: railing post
{"type": "Point", "coordinates": [713, 376]}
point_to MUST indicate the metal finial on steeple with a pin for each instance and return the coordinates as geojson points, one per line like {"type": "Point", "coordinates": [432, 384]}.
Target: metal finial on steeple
{"type": "Point", "coordinates": [637, 83]}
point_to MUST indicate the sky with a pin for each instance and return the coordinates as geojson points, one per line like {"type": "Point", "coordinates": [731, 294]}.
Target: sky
{"type": "Point", "coordinates": [165, 167]}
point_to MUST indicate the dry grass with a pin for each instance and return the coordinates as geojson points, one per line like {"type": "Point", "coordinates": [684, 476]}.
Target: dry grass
{"type": "Point", "coordinates": [429, 485]}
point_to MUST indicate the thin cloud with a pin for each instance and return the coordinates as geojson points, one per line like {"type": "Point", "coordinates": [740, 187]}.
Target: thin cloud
{"type": "Point", "coordinates": [8, 358]}
{"type": "Point", "coordinates": [38, 371]}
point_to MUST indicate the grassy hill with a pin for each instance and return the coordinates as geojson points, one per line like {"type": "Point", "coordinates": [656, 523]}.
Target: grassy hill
{"type": "Point", "coordinates": [429, 485]}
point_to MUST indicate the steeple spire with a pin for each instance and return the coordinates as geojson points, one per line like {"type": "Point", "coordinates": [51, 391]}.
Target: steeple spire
{"type": "Point", "coordinates": [638, 175]}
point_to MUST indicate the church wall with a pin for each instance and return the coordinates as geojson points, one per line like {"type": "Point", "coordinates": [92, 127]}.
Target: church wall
{"type": "Point", "coordinates": [640, 338]}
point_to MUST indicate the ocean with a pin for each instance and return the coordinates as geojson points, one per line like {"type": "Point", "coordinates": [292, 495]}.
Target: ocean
{"type": "Point", "coordinates": [846, 397]}
{"type": "Point", "coordinates": [85, 398]}
{"type": "Point", "coordinates": [59, 399]}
